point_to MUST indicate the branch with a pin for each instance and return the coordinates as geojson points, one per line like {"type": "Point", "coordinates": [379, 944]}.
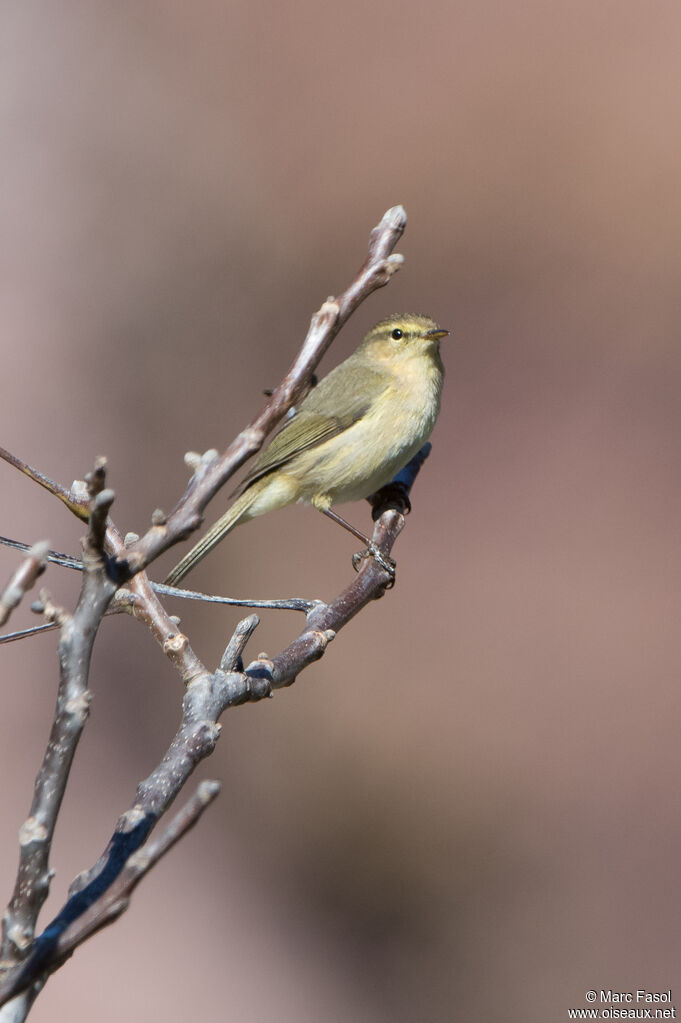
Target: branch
{"type": "Point", "coordinates": [74, 501]}
{"type": "Point", "coordinates": [116, 898]}
{"type": "Point", "coordinates": [75, 649]}
{"type": "Point", "coordinates": [124, 602]}
{"type": "Point", "coordinates": [23, 579]}
{"type": "Point", "coordinates": [206, 698]}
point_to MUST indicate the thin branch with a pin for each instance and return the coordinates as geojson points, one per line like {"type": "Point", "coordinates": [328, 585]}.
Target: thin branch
{"type": "Point", "coordinates": [116, 898]}
{"type": "Point", "coordinates": [75, 649]}
{"type": "Point", "coordinates": [69, 561]}
{"type": "Point", "coordinates": [23, 579]}
{"type": "Point", "coordinates": [231, 658]}
{"type": "Point", "coordinates": [206, 698]}
{"type": "Point", "coordinates": [35, 630]}
{"type": "Point", "coordinates": [76, 502]}
{"type": "Point", "coordinates": [145, 606]}
{"type": "Point", "coordinates": [54, 557]}
{"type": "Point", "coordinates": [140, 599]}
{"type": "Point", "coordinates": [283, 604]}
{"type": "Point", "coordinates": [100, 503]}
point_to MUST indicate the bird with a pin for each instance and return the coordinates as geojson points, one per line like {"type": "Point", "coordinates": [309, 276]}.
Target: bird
{"type": "Point", "coordinates": [353, 432]}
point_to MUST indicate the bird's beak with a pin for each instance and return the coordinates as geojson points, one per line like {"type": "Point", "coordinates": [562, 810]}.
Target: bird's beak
{"type": "Point", "coordinates": [436, 333]}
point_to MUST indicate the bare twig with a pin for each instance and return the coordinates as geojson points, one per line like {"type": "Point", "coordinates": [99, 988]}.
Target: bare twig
{"type": "Point", "coordinates": [207, 696]}
{"type": "Point", "coordinates": [23, 579]}
{"type": "Point", "coordinates": [76, 503]}
{"type": "Point", "coordinates": [231, 659]}
{"type": "Point", "coordinates": [115, 899]}
{"type": "Point", "coordinates": [100, 502]}
{"type": "Point", "coordinates": [54, 557]}
{"type": "Point", "coordinates": [68, 561]}
{"type": "Point", "coordinates": [284, 604]}
{"type": "Point", "coordinates": [75, 648]}
{"type": "Point", "coordinates": [35, 630]}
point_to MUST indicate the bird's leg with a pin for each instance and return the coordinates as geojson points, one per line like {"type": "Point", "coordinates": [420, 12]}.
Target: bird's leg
{"type": "Point", "coordinates": [388, 564]}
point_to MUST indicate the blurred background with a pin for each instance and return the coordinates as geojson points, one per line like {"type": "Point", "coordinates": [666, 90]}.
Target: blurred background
{"type": "Point", "coordinates": [469, 808]}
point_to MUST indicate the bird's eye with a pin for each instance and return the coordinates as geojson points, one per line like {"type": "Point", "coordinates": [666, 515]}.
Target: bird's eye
{"type": "Point", "coordinates": [396, 334]}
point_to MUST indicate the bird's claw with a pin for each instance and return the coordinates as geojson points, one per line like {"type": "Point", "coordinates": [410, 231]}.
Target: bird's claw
{"type": "Point", "coordinates": [387, 564]}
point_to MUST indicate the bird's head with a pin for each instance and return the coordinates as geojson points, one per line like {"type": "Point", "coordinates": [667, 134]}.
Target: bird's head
{"type": "Point", "coordinates": [403, 335]}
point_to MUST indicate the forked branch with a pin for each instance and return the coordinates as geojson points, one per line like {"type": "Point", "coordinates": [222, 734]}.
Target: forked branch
{"type": "Point", "coordinates": [113, 575]}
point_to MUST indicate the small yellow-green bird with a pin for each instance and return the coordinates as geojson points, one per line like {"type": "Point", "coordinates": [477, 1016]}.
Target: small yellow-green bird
{"type": "Point", "coordinates": [352, 433]}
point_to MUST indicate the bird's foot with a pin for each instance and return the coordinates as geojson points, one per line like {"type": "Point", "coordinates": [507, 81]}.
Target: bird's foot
{"type": "Point", "coordinates": [387, 564]}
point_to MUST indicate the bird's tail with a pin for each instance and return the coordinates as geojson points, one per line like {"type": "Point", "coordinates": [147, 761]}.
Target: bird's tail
{"type": "Point", "coordinates": [232, 517]}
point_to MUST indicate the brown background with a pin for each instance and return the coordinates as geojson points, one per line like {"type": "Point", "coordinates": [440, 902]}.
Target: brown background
{"type": "Point", "coordinates": [469, 809]}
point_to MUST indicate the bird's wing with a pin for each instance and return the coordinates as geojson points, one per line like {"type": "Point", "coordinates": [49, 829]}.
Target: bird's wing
{"type": "Point", "coordinates": [334, 405]}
